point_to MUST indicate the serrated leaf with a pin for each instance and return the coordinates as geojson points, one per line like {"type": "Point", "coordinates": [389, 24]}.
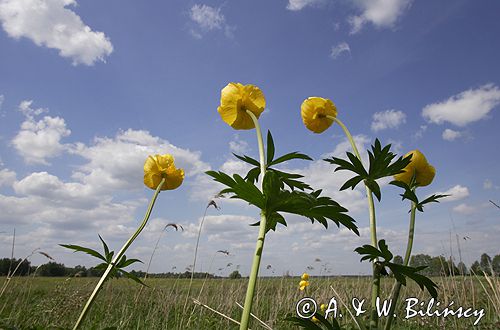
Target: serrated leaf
{"type": "Point", "coordinates": [79, 248]}
{"type": "Point", "coordinates": [248, 160]}
{"type": "Point", "coordinates": [289, 156]}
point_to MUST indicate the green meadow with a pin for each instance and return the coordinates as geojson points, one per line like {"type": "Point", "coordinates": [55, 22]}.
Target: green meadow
{"type": "Point", "coordinates": [55, 303]}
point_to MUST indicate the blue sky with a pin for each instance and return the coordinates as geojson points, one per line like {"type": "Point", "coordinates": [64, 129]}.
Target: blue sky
{"type": "Point", "coordinates": [89, 89]}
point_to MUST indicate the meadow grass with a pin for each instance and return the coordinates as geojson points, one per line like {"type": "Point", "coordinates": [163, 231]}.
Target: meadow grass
{"type": "Point", "coordinates": [57, 302]}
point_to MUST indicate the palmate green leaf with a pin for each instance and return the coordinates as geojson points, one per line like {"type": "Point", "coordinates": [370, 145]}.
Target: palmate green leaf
{"type": "Point", "coordinates": [400, 272]}
{"type": "Point", "coordinates": [240, 188]}
{"type": "Point", "coordinates": [409, 194]}
{"type": "Point", "coordinates": [124, 262]}
{"type": "Point", "coordinates": [132, 277]}
{"type": "Point", "coordinates": [89, 251]}
{"type": "Point", "coordinates": [380, 166]}
{"type": "Point", "coordinates": [291, 180]}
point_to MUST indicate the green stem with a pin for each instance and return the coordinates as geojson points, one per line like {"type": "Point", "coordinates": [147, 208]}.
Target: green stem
{"type": "Point", "coordinates": [118, 257]}
{"type": "Point", "coordinates": [245, 317]}
{"type": "Point", "coordinates": [406, 261]}
{"type": "Point", "coordinates": [373, 230]}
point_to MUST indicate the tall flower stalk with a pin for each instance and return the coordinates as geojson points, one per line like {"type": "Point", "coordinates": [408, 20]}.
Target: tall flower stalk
{"type": "Point", "coordinates": [259, 246]}
{"type": "Point", "coordinates": [159, 174]}
{"type": "Point", "coordinates": [279, 191]}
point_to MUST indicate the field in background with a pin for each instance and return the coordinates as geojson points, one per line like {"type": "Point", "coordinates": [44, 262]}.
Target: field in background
{"type": "Point", "coordinates": [57, 302]}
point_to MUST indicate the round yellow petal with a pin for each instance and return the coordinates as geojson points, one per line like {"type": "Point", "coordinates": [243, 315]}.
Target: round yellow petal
{"type": "Point", "coordinates": [314, 112]}
{"type": "Point", "coordinates": [305, 277]}
{"type": "Point", "coordinates": [236, 99]}
{"type": "Point", "coordinates": [418, 166]}
{"type": "Point", "coordinates": [315, 319]}
{"type": "Point", "coordinates": [158, 167]}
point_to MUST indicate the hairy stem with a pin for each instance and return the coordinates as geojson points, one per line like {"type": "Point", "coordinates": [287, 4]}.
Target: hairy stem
{"type": "Point", "coordinates": [397, 287]}
{"type": "Point", "coordinates": [373, 230]}
{"type": "Point", "coordinates": [117, 258]}
{"type": "Point", "coordinates": [245, 317]}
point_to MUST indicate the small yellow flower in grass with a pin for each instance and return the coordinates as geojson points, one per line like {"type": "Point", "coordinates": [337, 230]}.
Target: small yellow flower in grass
{"type": "Point", "coordinates": [424, 172]}
{"type": "Point", "coordinates": [314, 319]}
{"type": "Point", "coordinates": [162, 166]}
{"type": "Point", "coordinates": [314, 111]}
{"type": "Point", "coordinates": [235, 100]}
{"type": "Point", "coordinates": [303, 284]}
{"type": "Point", "coordinates": [305, 277]}
{"type": "Point", "coordinates": [323, 307]}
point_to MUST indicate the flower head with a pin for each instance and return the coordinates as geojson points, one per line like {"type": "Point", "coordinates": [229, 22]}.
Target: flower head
{"type": "Point", "coordinates": [418, 166]}
{"type": "Point", "coordinates": [315, 319]}
{"type": "Point", "coordinates": [314, 111]}
{"type": "Point", "coordinates": [162, 166]}
{"type": "Point", "coordinates": [323, 307]}
{"type": "Point", "coordinates": [305, 277]}
{"type": "Point", "coordinates": [303, 284]}
{"type": "Point", "coordinates": [235, 100]}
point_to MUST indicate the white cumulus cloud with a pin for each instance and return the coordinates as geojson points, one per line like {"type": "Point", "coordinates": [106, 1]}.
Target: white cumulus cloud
{"type": "Point", "coordinates": [7, 177]}
{"type": "Point", "coordinates": [464, 108]}
{"type": "Point", "coordinates": [456, 193]}
{"type": "Point", "coordinates": [39, 140]}
{"type": "Point", "coordinates": [338, 49]}
{"type": "Point", "coordinates": [51, 24]}
{"type": "Point", "coordinates": [381, 13]}
{"type": "Point", "coordinates": [387, 119]}
{"type": "Point", "coordinates": [464, 209]}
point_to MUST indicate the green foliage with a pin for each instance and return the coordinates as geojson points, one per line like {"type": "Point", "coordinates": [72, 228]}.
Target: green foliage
{"type": "Point", "coordinates": [400, 272]}
{"type": "Point", "coordinates": [380, 167]}
{"type": "Point", "coordinates": [290, 179]}
{"type": "Point", "coordinates": [117, 270]}
{"type": "Point", "coordinates": [275, 198]}
{"type": "Point", "coordinates": [308, 324]}
{"type": "Point", "coordinates": [409, 194]}
{"type": "Point", "coordinates": [235, 275]}
{"type": "Point", "coordinates": [8, 264]}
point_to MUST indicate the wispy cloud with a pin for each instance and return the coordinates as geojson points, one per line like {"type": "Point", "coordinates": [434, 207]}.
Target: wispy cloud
{"type": "Point", "coordinates": [451, 135]}
{"type": "Point", "coordinates": [464, 108]}
{"type": "Point", "coordinates": [381, 13]}
{"type": "Point", "coordinates": [340, 48]}
{"type": "Point", "coordinates": [387, 119]}
{"type": "Point", "coordinates": [208, 19]}
{"type": "Point", "coordinates": [296, 5]}
{"type": "Point", "coordinates": [51, 24]}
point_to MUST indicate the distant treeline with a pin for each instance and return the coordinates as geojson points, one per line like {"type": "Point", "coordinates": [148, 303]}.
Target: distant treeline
{"type": "Point", "coordinates": [54, 269]}
{"type": "Point", "coordinates": [441, 266]}
{"type": "Point", "coordinates": [436, 266]}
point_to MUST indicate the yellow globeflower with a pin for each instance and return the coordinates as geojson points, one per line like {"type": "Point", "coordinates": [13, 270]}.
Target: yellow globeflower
{"type": "Point", "coordinates": [305, 277]}
{"type": "Point", "coordinates": [314, 111]}
{"type": "Point", "coordinates": [303, 284]}
{"type": "Point", "coordinates": [315, 319]}
{"type": "Point", "coordinates": [162, 166]}
{"type": "Point", "coordinates": [323, 307]}
{"type": "Point", "coordinates": [424, 172]}
{"type": "Point", "coordinates": [235, 100]}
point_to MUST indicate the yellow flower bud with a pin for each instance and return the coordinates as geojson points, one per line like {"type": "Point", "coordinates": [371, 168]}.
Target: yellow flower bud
{"type": "Point", "coordinates": [418, 166]}
{"type": "Point", "coordinates": [314, 319]}
{"type": "Point", "coordinates": [305, 277]}
{"type": "Point", "coordinates": [323, 307]}
{"type": "Point", "coordinates": [235, 100]}
{"type": "Point", "coordinates": [314, 112]}
{"type": "Point", "coordinates": [162, 166]}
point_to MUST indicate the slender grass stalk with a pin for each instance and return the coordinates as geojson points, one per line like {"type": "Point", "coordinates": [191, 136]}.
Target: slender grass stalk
{"type": "Point", "coordinates": [397, 287]}
{"type": "Point", "coordinates": [373, 231]}
{"type": "Point", "coordinates": [118, 257]}
{"type": "Point", "coordinates": [245, 317]}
